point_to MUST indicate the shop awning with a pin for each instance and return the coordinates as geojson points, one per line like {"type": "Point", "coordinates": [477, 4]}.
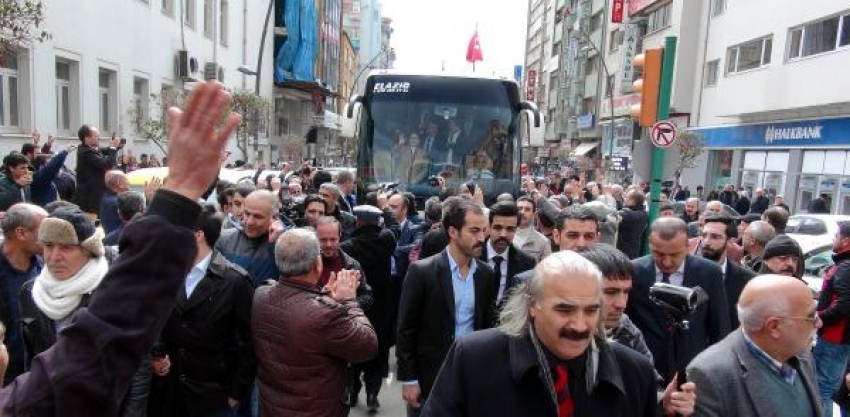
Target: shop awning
{"type": "Point", "coordinates": [584, 148]}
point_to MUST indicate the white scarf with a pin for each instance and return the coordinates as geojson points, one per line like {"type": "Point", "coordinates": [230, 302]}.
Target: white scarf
{"type": "Point", "coordinates": [59, 298]}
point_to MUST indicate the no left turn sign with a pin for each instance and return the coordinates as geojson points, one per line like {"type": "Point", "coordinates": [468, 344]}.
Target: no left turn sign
{"type": "Point", "coordinates": [663, 133]}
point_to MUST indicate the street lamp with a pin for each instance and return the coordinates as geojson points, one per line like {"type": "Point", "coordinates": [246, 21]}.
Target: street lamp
{"type": "Point", "coordinates": [590, 46]}
{"type": "Point", "coordinates": [257, 72]}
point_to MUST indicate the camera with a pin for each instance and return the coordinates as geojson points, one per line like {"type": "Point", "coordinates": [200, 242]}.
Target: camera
{"type": "Point", "coordinates": [681, 301]}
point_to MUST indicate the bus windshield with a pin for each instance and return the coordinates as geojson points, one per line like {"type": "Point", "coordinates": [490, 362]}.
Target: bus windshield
{"type": "Point", "coordinates": [418, 127]}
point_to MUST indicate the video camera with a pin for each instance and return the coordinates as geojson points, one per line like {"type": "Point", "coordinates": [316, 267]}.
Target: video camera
{"type": "Point", "coordinates": [679, 301]}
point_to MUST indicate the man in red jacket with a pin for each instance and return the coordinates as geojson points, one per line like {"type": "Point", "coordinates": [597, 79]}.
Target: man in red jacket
{"type": "Point", "coordinates": [833, 346]}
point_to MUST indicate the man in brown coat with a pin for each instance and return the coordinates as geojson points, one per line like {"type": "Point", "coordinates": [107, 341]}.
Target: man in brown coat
{"type": "Point", "coordinates": [304, 337]}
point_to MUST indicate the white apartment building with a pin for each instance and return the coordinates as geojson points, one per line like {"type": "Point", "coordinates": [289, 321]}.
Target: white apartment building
{"type": "Point", "coordinates": [773, 99]}
{"type": "Point", "coordinates": [107, 56]}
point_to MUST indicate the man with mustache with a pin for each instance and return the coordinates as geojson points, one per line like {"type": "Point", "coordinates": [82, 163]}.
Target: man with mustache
{"type": "Point", "coordinates": [782, 256]}
{"type": "Point", "coordinates": [505, 259]}
{"type": "Point", "coordinates": [444, 297]}
{"type": "Point", "coordinates": [548, 357]}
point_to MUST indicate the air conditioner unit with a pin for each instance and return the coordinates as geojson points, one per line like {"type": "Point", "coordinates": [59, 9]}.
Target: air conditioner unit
{"type": "Point", "coordinates": [187, 65]}
{"type": "Point", "coordinates": [213, 71]}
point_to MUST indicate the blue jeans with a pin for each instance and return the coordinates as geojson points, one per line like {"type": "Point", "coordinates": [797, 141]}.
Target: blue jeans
{"type": "Point", "coordinates": [830, 363]}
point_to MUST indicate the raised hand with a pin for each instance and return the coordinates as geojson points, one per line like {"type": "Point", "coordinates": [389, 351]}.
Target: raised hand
{"type": "Point", "coordinates": [151, 186]}
{"type": "Point", "coordinates": [195, 143]}
{"type": "Point", "coordinates": [343, 285]}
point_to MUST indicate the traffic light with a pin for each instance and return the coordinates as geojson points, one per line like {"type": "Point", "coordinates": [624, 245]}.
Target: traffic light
{"type": "Point", "coordinates": [648, 86]}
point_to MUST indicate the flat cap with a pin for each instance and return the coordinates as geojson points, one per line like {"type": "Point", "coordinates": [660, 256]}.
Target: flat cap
{"type": "Point", "coordinates": [368, 214]}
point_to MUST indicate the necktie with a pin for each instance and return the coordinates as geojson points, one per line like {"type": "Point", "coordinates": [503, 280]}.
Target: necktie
{"type": "Point", "coordinates": [665, 277]}
{"type": "Point", "coordinates": [562, 391]}
{"type": "Point", "coordinates": [497, 260]}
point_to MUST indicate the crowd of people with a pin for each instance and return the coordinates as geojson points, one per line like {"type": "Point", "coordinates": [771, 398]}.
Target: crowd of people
{"type": "Point", "coordinates": [285, 296]}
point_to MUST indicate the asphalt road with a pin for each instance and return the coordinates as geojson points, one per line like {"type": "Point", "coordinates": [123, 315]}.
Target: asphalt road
{"type": "Point", "coordinates": [390, 397]}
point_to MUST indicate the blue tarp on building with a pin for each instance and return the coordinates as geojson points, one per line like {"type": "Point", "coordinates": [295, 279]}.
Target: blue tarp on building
{"type": "Point", "coordinates": [297, 56]}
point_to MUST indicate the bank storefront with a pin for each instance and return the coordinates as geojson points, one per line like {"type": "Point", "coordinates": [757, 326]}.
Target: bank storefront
{"type": "Point", "coordinates": [799, 160]}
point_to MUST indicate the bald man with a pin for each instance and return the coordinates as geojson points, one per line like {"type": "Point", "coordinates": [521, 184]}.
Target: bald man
{"type": "Point", "coordinates": [252, 247]}
{"type": "Point", "coordinates": [116, 183]}
{"type": "Point", "coordinates": [764, 368]}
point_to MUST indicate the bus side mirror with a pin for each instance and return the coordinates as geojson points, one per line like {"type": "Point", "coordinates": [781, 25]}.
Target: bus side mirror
{"type": "Point", "coordinates": [534, 126]}
{"type": "Point", "coordinates": [351, 117]}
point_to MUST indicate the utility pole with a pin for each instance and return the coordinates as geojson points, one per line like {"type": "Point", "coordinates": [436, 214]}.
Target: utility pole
{"type": "Point", "coordinates": [664, 93]}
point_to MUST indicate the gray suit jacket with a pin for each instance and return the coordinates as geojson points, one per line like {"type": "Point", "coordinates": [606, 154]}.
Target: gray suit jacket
{"type": "Point", "coordinates": [727, 386]}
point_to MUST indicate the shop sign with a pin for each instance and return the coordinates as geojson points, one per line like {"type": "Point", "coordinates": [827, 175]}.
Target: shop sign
{"type": "Point", "coordinates": [620, 163]}
{"type": "Point", "coordinates": [808, 133]}
{"type": "Point", "coordinates": [585, 121]}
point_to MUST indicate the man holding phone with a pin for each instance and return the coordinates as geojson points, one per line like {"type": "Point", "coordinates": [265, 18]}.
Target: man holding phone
{"type": "Point", "coordinates": [92, 164]}
{"type": "Point", "coordinates": [15, 185]}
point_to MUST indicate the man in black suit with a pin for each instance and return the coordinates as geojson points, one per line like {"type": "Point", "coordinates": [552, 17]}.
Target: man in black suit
{"type": "Point", "coordinates": [92, 164]}
{"type": "Point", "coordinates": [444, 297]}
{"type": "Point", "coordinates": [506, 260]}
{"type": "Point", "coordinates": [716, 235]}
{"type": "Point", "coordinates": [670, 263]}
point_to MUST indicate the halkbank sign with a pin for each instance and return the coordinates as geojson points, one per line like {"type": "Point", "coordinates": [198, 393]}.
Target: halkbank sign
{"type": "Point", "coordinates": [799, 134]}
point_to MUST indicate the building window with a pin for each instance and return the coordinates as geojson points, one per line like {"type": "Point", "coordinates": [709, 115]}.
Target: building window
{"type": "Point", "coordinates": [609, 85]}
{"type": "Point", "coordinates": [189, 13]}
{"type": "Point", "coordinates": [141, 103]}
{"type": "Point", "coordinates": [750, 55]}
{"type": "Point", "coordinates": [66, 90]}
{"type": "Point", "coordinates": [718, 7]}
{"type": "Point", "coordinates": [819, 37]}
{"type": "Point", "coordinates": [168, 7]}
{"type": "Point", "coordinates": [590, 65]}
{"type": "Point", "coordinates": [711, 69]}
{"type": "Point", "coordinates": [615, 40]}
{"type": "Point", "coordinates": [595, 22]}
{"type": "Point", "coordinates": [659, 18]}
{"type": "Point", "coordinates": [209, 26]}
{"type": "Point", "coordinates": [223, 25]}
{"type": "Point", "coordinates": [108, 102]}
{"type": "Point", "coordinates": [9, 105]}
{"type": "Point", "coordinates": [588, 105]}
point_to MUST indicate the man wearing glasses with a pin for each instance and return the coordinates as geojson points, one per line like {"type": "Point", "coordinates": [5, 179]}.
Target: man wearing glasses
{"type": "Point", "coordinates": [763, 368]}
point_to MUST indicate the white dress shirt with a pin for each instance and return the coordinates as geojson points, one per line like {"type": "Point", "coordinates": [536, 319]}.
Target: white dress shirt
{"type": "Point", "coordinates": [197, 274]}
{"type": "Point", "coordinates": [676, 278]}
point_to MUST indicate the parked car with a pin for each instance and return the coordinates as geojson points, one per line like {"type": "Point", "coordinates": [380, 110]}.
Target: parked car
{"type": "Point", "coordinates": [817, 259]}
{"type": "Point", "coordinates": [823, 225]}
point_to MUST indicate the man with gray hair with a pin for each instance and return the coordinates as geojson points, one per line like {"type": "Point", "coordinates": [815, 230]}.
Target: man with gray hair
{"type": "Point", "coordinates": [553, 354]}
{"type": "Point", "coordinates": [764, 368]}
{"type": "Point", "coordinates": [116, 183]}
{"type": "Point", "coordinates": [20, 261]}
{"type": "Point", "coordinates": [304, 336]}
{"type": "Point", "coordinates": [754, 241]}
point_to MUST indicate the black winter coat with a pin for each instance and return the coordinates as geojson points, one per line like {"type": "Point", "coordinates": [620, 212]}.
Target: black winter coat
{"type": "Point", "coordinates": [88, 370]}
{"type": "Point", "coordinates": [631, 231]}
{"type": "Point", "coordinates": [471, 384]}
{"type": "Point", "coordinates": [92, 164]}
{"type": "Point", "coordinates": [208, 340]}
{"type": "Point", "coordinates": [372, 247]}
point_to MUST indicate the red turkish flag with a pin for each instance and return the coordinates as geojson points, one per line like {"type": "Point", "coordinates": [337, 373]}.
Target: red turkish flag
{"type": "Point", "coordinates": [473, 51]}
